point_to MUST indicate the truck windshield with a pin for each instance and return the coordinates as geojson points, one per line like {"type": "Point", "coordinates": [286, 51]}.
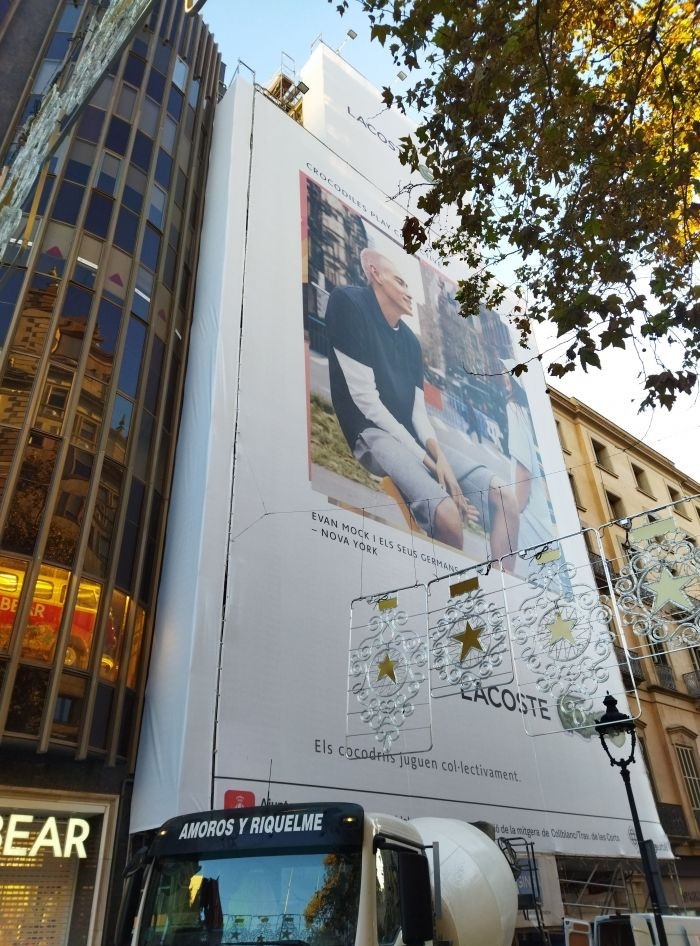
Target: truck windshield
{"type": "Point", "coordinates": [309, 897]}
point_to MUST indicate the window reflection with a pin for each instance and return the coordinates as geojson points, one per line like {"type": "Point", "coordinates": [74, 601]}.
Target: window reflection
{"type": "Point", "coordinates": [68, 341]}
{"type": "Point", "coordinates": [8, 443]}
{"type": "Point", "coordinates": [119, 428]}
{"type": "Point", "coordinates": [89, 414]}
{"type": "Point", "coordinates": [102, 527]}
{"type": "Point", "coordinates": [82, 629]}
{"type": "Point", "coordinates": [104, 341]}
{"type": "Point", "coordinates": [70, 507]}
{"type": "Point", "coordinates": [114, 636]}
{"type": "Point", "coordinates": [388, 909]}
{"type": "Point", "coordinates": [33, 324]}
{"type": "Point", "coordinates": [132, 673]}
{"type": "Point", "coordinates": [52, 407]}
{"type": "Point", "coordinates": [15, 389]}
{"type": "Point", "coordinates": [44, 619]}
{"type": "Point", "coordinates": [29, 498]}
{"type": "Point", "coordinates": [27, 701]}
{"type": "Point", "coordinates": [12, 573]}
{"type": "Point", "coordinates": [68, 709]}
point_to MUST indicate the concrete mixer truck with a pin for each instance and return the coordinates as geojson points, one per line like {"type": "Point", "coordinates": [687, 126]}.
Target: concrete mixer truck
{"type": "Point", "coordinates": [317, 875]}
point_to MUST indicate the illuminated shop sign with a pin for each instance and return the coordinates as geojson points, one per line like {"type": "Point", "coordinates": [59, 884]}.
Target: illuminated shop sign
{"type": "Point", "coordinates": [24, 835]}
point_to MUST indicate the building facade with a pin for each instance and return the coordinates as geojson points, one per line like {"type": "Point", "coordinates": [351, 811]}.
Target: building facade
{"type": "Point", "coordinates": [614, 475]}
{"type": "Point", "coordinates": [95, 312]}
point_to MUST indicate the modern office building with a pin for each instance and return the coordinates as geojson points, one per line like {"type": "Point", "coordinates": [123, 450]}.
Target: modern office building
{"type": "Point", "coordinates": [615, 476]}
{"type": "Point", "coordinates": [95, 313]}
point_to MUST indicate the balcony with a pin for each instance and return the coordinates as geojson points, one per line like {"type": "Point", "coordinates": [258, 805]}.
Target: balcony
{"type": "Point", "coordinates": [665, 677]}
{"type": "Point", "coordinates": [637, 673]}
{"type": "Point", "coordinates": [673, 820]}
{"type": "Point", "coordinates": [692, 683]}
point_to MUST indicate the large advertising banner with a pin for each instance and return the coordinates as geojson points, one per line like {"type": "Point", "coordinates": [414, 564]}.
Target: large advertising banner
{"type": "Point", "coordinates": [381, 444]}
{"type": "Point", "coordinates": [377, 444]}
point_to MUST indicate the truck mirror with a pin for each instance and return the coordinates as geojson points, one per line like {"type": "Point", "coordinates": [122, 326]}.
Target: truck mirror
{"type": "Point", "coordinates": [414, 898]}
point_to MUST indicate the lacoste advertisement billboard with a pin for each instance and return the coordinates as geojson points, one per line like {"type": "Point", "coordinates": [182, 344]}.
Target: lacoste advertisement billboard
{"type": "Point", "coordinates": [363, 438]}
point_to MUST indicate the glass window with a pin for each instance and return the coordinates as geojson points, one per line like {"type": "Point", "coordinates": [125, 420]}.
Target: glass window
{"type": "Point", "coordinates": [119, 428]}
{"type": "Point", "coordinates": [55, 249]}
{"type": "Point", "coordinates": [88, 419]}
{"type": "Point", "coordinates": [27, 506]}
{"type": "Point", "coordinates": [141, 300]}
{"type": "Point", "coordinates": [90, 124]}
{"type": "Point", "coordinates": [193, 94]}
{"type": "Point", "coordinates": [156, 85]}
{"type": "Point", "coordinates": [149, 119]}
{"type": "Point", "coordinates": [154, 372]}
{"type": "Point", "coordinates": [70, 507]}
{"type": "Point", "coordinates": [68, 342]}
{"type": "Point", "coordinates": [33, 325]}
{"type": "Point", "coordinates": [80, 161]}
{"type": "Point", "coordinates": [68, 201]}
{"type": "Point", "coordinates": [46, 73]}
{"type": "Point", "coordinates": [114, 636]}
{"type": "Point", "coordinates": [151, 554]}
{"type": "Point", "coordinates": [132, 672]}
{"type": "Point", "coordinates": [8, 443]}
{"type": "Point", "coordinates": [140, 46]}
{"type": "Point", "coordinates": [691, 777]}
{"type": "Point", "coordinates": [99, 214]}
{"type": "Point", "coordinates": [175, 100]}
{"type": "Point", "coordinates": [104, 341]}
{"type": "Point", "coordinates": [164, 168]}
{"type": "Point", "coordinates": [156, 209]}
{"type": "Point", "coordinates": [104, 516]}
{"type": "Point", "coordinates": [108, 178]}
{"type": "Point", "coordinates": [57, 156]}
{"type": "Point", "coordinates": [87, 262]}
{"type": "Point", "coordinates": [54, 398]}
{"type": "Point", "coordinates": [27, 701]}
{"type": "Point", "coordinates": [134, 70]}
{"type": "Point", "coordinates": [117, 135]}
{"type": "Point", "coordinates": [180, 74]}
{"type": "Point", "coordinates": [45, 613]}
{"type": "Point", "coordinates": [143, 445]}
{"type": "Point", "coordinates": [82, 630]}
{"type": "Point", "coordinates": [142, 151]}
{"type": "Point", "coordinates": [130, 536]}
{"type": "Point", "coordinates": [180, 188]}
{"type": "Point", "coordinates": [68, 708]}
{"type": "Point", "coordinates": [169, 135]}
{"type": "Point", "coordinates": [131, 358]}
{"type": "Point", "coordinates": [150, 248]}
{"type": "Point", "coordinates": [388, 912]}
{"type": "Point", "coordinates": [103, 94]}
{"type": "Point", "coordinates": [134, 189]}
{"type": "Point", "coordinates": [10, 285]}
{"type": "Point", "coordinates": [161, 58]}
{"type": "Point", "coordinates": [126, 102]}
{"type": "Point", "coordinates": [17, 383]}
{"type": "Point", "coordinates": [118, 275]}
{"type": "Point", "coordinates": [125, 232]}
{"type": "Point", "coordinates": [12, 572]}
{"type": "Point", "coordinates": [101, 716]}
{"type": "Point", "coordinates": [169, 267]}
{"type": "Point", "coordinates": [69, 17]}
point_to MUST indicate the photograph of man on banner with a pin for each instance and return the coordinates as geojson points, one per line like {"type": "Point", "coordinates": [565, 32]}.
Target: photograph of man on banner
{"type": "Point", "coordinates": [394, 408]}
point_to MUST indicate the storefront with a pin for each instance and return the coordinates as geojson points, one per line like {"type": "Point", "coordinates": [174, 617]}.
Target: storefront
{"type": "Point", "coordinates": [55, 854]}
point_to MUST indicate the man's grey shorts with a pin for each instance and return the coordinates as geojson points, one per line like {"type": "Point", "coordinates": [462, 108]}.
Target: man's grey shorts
{"type": "Point", "coordinates": [383, 455]}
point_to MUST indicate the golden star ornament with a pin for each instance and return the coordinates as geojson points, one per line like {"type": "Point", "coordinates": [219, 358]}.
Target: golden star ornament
{"type": "Point", "coordinates": [469, 639]}
{"type": "Point", "coordinates": [561, 630]}
{"type": "Point", "coordinates": [387, 668]}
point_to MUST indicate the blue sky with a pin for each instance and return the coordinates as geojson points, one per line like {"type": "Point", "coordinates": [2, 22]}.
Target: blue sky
{"type": "Point", "coordinates": [259, 32]}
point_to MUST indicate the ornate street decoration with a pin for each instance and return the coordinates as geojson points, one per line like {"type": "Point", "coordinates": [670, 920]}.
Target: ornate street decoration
{"type": "Point", "coordinates": [468, 637]}
{"type": "Point", "coordinates": [388, 692]}
{"type": "Point", "coordinates": [561, 637]}
{"type": "Point", "coordinates": [657, 590]}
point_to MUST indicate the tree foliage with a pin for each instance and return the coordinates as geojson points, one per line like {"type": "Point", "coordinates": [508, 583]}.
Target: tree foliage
{"type": "Point", "coordinates": [566, 135]}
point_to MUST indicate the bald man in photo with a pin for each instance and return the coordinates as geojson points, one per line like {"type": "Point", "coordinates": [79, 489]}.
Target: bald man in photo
{"type": "Point", "coordinates": [376, 376]}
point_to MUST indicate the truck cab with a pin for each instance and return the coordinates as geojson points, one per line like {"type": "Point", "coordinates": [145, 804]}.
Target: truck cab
{"type": "Point", "coordinates": [312, 874]}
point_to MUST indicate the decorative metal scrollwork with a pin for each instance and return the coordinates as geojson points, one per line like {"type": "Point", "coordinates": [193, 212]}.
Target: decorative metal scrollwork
{"type": "Point", "coordinates": [388, 693]}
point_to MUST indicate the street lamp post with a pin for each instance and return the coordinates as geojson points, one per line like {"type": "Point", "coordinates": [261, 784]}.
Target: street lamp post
{"type": "Point", "coordinates": [614, 727]}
